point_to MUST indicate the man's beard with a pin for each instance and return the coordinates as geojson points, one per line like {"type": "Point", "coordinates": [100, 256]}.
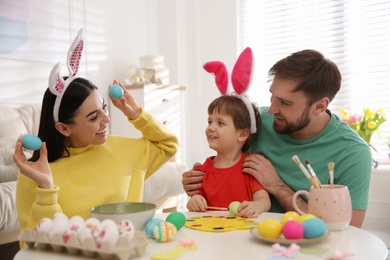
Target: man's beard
{"type": "Point", "coordinates": [290, 128]}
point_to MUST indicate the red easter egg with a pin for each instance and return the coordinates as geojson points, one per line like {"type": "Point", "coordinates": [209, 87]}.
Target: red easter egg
{"type": "Point", "coordinates": [293, 229]}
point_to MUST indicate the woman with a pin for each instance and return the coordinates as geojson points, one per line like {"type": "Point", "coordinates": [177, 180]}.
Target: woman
{"type": "Point", "coordinates": [79, 165]}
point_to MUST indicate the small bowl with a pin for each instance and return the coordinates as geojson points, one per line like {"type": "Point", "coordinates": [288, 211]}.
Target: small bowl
{"type": "Point", "coordinates": [139, 213]}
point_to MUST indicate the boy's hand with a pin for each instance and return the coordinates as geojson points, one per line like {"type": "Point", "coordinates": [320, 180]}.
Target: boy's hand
{"type": "Point", "coordinates": [197, 203]}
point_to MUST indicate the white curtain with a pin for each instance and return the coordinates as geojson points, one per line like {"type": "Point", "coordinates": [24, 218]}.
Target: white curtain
{"type": "Point", "coordinates": [355, 34]}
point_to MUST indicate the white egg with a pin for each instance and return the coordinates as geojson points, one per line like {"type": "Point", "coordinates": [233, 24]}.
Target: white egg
{"type": "Point", "coordinates": [107, 233]}
{"type": "Point", "coordinates": [43, 225]}
{"type": "Point", "coordinates": [59, 216]}
{"type": "Point", "coordinates": [76, 219]}
{"type": "Point", "coordinates": [85, 234]}
{"type": "Point", "coordinates": [126, 229]}
{"type": "Point", "coordinates": [73, 229]}
{"type": "Point", "coordinates": [92, 223]}
{"type": "Point", "coordinates": [108, 222]}
{"type": "Point", "coordinates": [58, 228]}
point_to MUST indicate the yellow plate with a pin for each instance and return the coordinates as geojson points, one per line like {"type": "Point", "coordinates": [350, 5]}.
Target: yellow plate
{"type": "Point", "coordinates": [213, 223]}
{"type": "Point", "coordinates": [284, 241]}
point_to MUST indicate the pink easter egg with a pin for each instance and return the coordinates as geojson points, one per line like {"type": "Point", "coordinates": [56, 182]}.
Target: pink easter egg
{"type": "Point", "coordinates": [293, 229]}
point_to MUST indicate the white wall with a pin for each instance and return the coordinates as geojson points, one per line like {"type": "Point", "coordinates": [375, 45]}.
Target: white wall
{"type": "Point", "coordinates": [209, 34]}
{"type": "Point", "coordinates": [188, 33]}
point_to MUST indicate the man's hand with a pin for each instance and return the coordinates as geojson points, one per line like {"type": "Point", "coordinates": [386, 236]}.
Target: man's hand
{"type": "Point", "coordinates": [192, 180]}
{"type": "Point", "coordinates": [264, 172]}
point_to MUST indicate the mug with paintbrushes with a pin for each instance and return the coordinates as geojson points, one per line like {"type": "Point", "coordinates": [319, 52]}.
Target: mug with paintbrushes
{"type": "Point", "coordinates": [331, 203]}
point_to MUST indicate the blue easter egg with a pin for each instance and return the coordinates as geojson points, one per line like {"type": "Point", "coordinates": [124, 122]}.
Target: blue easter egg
{"type": "Point", "coordinates": [149, 227]}
{"type": "Point", "coordinates": [31, 142]}
{"type": "Point", "coordinates": [116, 91]}
{"type": "Point", "coordinates": [313, 227]}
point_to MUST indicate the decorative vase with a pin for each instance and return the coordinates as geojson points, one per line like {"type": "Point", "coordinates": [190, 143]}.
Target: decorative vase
{"type": "Point", "coordinates": [374, 154]}
{"type": "Point", "coordinates": [366, 136]}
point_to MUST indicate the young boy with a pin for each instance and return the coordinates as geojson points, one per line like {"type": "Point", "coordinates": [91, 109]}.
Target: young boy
{"type": "Point", "coordinates": [228, 133]}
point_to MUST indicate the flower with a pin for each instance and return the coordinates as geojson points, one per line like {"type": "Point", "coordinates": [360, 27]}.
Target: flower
{"type": "Point", "coordinates": [364, 124]}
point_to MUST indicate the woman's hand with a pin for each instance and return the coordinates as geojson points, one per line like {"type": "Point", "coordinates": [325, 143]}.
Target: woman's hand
{"type": "Point", "coordinates": [126, 103]}
{"type": "Point", "coordinates": [38, 171]}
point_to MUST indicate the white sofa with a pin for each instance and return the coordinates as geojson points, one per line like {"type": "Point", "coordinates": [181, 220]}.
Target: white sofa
{"type": "Point", "coordinates": [162, 188]}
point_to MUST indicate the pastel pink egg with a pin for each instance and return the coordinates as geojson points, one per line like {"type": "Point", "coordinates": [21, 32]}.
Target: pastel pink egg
{"type": "Point", "coordinates": [293, 229]}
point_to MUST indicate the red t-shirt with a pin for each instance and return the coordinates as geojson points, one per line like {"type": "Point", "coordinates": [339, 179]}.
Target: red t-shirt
{"type": "Point", "coordinates": [221, 186]}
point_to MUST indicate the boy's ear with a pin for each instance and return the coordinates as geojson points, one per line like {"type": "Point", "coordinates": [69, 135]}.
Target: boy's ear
{"type": "Point", "coordinates": [244, 134]}
{"type": "Point", "coordinates": [62, 128]}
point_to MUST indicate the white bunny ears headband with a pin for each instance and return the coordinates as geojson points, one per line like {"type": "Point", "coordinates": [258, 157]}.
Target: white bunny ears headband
{"type": "Point", "coordinates": [57, 84]}
{"type": "Point", "coordinates": [241, 77]}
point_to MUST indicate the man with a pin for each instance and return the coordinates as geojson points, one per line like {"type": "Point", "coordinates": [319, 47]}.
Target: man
{"type": "Point", "coordinates": [298, 122]}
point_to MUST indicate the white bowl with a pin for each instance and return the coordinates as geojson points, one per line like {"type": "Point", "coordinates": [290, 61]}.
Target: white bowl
{"type": "Point", "coordinates": [139, 213]}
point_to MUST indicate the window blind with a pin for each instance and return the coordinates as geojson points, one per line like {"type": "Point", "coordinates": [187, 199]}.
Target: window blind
{"type": "Point", "coordinates": [355, 34]}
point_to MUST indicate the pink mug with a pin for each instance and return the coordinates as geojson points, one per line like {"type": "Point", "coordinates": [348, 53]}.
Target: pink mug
{"type": "Point", "coordinates": [331, 204]}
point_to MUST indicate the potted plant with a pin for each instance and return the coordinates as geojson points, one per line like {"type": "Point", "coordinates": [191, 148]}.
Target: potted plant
{"type": "Point", "coordinates": [365, 124]}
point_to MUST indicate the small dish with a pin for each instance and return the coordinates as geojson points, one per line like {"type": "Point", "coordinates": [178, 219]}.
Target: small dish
{"type": "Point", "coordinates": [284, 241]}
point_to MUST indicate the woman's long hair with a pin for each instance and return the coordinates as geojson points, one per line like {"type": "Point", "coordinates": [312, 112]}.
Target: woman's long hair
{"type": "Point", "coordinates": [76, 93]}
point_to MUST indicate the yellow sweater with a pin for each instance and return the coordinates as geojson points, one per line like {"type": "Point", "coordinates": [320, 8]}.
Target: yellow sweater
{"type": "Point", "coordinates": [97, 174]}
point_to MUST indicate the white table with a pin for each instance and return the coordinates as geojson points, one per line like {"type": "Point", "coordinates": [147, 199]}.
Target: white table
{"type": "Point", "coordinates": [240, 244]}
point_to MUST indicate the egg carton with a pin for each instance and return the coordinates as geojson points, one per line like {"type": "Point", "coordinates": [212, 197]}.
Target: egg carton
{"type": "Point", "coordinates": [123, 250]}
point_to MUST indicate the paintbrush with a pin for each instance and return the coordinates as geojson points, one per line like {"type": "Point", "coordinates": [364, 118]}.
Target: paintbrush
{"type": "Point", "coordinates": [331, 168]}
{"type": "Point", "coordinates": [216, 208]}
{"type": "Point", "coordinates": [313, 174]}
{"type": "Point", "coordinates": [303, 169]}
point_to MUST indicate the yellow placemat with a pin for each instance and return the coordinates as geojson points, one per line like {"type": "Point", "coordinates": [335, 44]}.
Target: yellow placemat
{"type": "Point", "coordinates": [219, 223]}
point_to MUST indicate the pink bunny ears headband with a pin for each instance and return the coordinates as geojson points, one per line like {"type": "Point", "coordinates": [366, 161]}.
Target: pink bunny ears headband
{"type": "Point", "coordinates": [241, 77]}
{"type": "Point", "coordinates": [57, 84]}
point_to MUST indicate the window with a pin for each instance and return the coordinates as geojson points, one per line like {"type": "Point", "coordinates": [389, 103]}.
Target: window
{"type": "Point", "coordinates": [355, 34]}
